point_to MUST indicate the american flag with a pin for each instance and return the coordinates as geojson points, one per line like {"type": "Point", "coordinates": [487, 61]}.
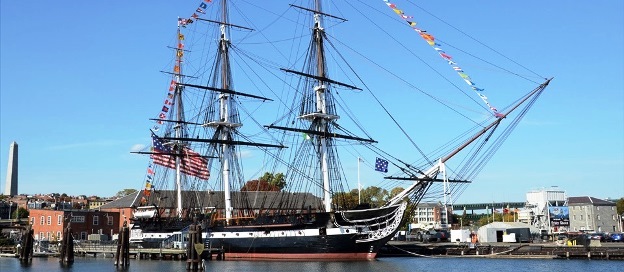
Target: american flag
{"type": "Point", "coordinates": [191, 162]}
{"type": "Point", "coordinates": [194, 164]}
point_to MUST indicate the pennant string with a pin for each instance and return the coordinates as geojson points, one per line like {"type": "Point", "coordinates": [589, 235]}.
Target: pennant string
{"type": "Point", "coordinates": [172, 85]}
{"type": "Point", "coordinates": [430, 39]}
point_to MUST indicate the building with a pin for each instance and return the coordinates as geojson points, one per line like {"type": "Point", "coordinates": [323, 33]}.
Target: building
{"type": "Point", "coordinates": [593, 214]}
{"type": "Point", "coordinates": [547, 209]}
{"type": "Point", "coordinates": [166, 202]}
{"type": "Point", "coordinates": [430, 216]}
{"type": "Point", "coordinates": [495, 232]}
{"type": "Point", "coordinates": [48, 225]}
{"type": "Point", "coordinates": [95, 203]}
{"type": "Point", "coordinates": [7, 208]}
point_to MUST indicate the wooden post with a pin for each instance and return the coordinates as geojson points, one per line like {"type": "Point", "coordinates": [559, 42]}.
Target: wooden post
{"type": "Point", "coordinates": [67, 247]}
{"type": "Point", "coordinates": [194, 248]}
{"type": "Point", "coordinates": [26, 250]}
{"type": "Point", "coordinates": [123, 247]}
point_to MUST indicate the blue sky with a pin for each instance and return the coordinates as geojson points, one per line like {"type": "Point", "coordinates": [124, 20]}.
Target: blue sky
{"type": "Point", "coordinates": [79, 81]}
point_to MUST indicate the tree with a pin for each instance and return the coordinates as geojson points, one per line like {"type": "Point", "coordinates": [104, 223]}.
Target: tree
{"type": "Point", "coordinates": [620, 205]}
{"type": "Point", "coordinates": [395, 191]}
{"type": "Point", "coordinates": [21, 212]}
{"type": "Point", "coordinates": [375, 196]}
{"type": "Point", "coordinates": [125, 192]}
{"type": "Point", "coordinates": [259, 185]}
{"type": "Point", "coordinates": [276, 180]}
{"type": "Point", "coordinates": [346, 200]}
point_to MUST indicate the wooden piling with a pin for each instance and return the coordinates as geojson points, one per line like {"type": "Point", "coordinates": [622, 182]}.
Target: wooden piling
{"type": "Point", "coordinates": [122, 256]}
{"type": "Point", "coordinates": [26, 250]}
{"type": "Point", "coordinates": [67, 247]}
{"type": "Point", "coordinates": [195, 248]}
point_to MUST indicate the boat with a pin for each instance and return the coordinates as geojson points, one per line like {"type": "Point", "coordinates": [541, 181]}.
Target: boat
{"type": "Point", "coordinates": [297, 205]}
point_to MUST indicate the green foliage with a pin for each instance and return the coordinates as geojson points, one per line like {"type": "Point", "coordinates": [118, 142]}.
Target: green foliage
{"type": "Point", "coordinates": [346, 200]}
{"type": "Point", "coordinates": [276, 180]}
{"type": "Point", "coordinates": [620, 205]}
{"type": "Point", "coordinates": [21, 212]}
{"type": "Point", "coordinates": [125, 192]}
{"type": "Point", "coordinates": [259, 186]}
{"type": "Point", "coordinates": [375, 196]}
{"type": "Point", "coordinates": [395, 191]}
{"type": "Point", "coordinates": [498, 217]}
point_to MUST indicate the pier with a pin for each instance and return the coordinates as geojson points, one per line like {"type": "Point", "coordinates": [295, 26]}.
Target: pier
{"type": "Point", "coordinates": [136, 252]}
{"type": "Point", "coordinates": [600, 251]}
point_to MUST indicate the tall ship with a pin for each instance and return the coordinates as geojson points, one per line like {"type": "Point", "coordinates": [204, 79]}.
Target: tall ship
{"type": "Point", "coordinates": [259, 134]}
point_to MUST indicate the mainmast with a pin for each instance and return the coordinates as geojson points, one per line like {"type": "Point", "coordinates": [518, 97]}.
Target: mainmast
{"type": "Point", "coordinates": [321, 105]}
{"type": "Point", "coordinates": [321, 114]}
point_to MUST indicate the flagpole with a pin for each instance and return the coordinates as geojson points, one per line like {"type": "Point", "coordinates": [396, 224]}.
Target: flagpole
{"type": "Point", "coordinates": [359, 186]}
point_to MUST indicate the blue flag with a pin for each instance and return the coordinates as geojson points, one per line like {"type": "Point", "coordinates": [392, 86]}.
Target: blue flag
{"type": "Point", "coordinates": [381, 165]}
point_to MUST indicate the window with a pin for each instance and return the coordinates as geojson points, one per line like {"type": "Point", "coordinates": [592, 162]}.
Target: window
{"type": "Point", "coordinates": [574, 217]}
{"type": "Point", "coordinates": [598, 217]}
{"type": "Point", "coordinates": [614, 218]}
{"type": "Point", "coordinates": [40, 236]}
{"type": "Point", "coordinates": [78, 219]}
{"type": "Point", "coordinates": [42, 221]}
{"type": "Point", "coordinates": [83, 235]}
{"type": "Point", "coordinates": [48, 234]}
{"type": "Point", "coordinates": [49, 220]}
{"type": "Point", "coordinates": [581, 216]}
{"type": "Point", "coordinates": [110, 220]}
{"type": "Point", "coordinates": [96, 220]}
{"type": "Point", "coordinates": [32, 220]}
{"type": "Point", "coordinates": [59, 219]}
{"type": "Point", "coordinates": [58, 235]}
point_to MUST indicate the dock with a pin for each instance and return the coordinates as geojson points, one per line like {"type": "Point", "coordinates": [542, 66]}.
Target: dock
{"type": "Point", "coordinates": [109, 250]}
{"type": "Point", "coordinates": [598, 251]}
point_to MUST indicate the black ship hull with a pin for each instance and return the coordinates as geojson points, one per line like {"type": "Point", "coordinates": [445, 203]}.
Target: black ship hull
{"type": "Point", "coordinates": [351, 235]}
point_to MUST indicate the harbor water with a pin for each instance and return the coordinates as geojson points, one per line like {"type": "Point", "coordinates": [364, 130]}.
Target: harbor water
{"type": "Point", "coordinates": [397, 264]}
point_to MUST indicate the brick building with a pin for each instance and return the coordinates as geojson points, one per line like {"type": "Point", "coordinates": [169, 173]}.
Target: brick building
{"type": "Point", "coordinates": [49, 224]}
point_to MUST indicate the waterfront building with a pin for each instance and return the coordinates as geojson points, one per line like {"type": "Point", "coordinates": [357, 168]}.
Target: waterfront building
{"type": "Point", "coordinates": [496, 232]}
{"type": "Point", "coordinates": [48, 225]}
{"type": "Point", "coordinates": [547, 210]}
{"type": "Point", "coordinates": [592, 214]}
{"type": "Point", "coordinates": [428, 215]}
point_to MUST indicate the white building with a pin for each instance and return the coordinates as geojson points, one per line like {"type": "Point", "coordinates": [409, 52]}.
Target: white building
{"type": "Point", "coordinates": [430, 216]}
{"type": "Point", "coordinates": [541, 204]}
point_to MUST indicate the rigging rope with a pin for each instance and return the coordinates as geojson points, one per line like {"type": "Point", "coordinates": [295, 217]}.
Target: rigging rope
{"type": "Point", "coordinates": [430, 39]}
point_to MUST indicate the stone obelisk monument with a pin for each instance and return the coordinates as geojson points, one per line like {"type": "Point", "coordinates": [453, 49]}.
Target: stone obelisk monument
{"type": "Point", "coordinates": [11, 178]}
